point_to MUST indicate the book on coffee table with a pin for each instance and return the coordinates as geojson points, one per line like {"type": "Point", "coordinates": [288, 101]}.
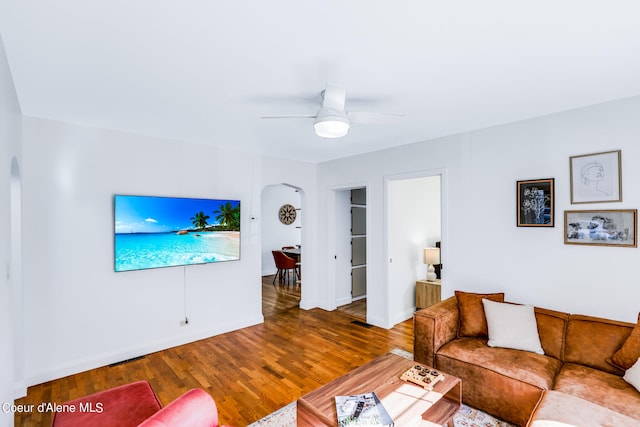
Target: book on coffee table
{"type": "Point", "coordinates": [360, 410]}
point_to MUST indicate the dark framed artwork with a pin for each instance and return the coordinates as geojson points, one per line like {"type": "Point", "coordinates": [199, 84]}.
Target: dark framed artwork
{"type": "Point", "coordinates": [596, 178]}
{"type": "Point", "coordinates": [535, 203]}
{"type": "Point", "coordinates": [615, 227]}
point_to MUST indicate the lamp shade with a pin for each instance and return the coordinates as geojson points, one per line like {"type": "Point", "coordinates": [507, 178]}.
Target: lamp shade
{"type": "Point", "coordinates": [431, 256]}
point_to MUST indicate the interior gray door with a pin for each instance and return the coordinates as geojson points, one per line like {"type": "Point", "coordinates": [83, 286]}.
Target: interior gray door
{"type": "Point", "coordinates": [358, 243]}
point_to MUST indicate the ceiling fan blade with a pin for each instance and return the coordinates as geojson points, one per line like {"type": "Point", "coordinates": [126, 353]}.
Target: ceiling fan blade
{"type": "Point", "coordinates": [333, 97]}
{"type": "Point", "coordinates": [367, 117]}
{"type": "Point", "coordinates": [306, 99]}
{"type": "Point", "coordinates": [296, 116]}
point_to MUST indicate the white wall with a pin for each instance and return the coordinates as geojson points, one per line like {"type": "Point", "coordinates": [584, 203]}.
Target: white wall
{"type": "Point", "coordinates": [485, 251]}
{"type": "Point", "coordinates": [275, 234]}
{"type": "Point", "coordinates": [79, 313]}
{"type": "Point", "coordinates": [413, 221]}
{"type": "Point", "coordinates": [534, 265]}
{"type": "Point", "coordinates": [10, 122]}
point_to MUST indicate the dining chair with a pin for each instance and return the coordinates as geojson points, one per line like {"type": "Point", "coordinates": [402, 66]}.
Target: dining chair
{"type": "Point", "coordinates": [284, 263]}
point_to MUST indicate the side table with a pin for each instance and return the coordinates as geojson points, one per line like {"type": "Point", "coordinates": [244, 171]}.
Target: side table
{"type": "Point", "coordinates": [427, 293]}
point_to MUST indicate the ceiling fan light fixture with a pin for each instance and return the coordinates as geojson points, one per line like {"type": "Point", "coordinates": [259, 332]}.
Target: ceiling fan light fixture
{"type": "Point", "coordinates": [331, 126]}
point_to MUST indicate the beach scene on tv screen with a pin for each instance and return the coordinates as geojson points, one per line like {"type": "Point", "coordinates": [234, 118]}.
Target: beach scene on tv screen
{"type": "Point", "coordinates": [153, 232]}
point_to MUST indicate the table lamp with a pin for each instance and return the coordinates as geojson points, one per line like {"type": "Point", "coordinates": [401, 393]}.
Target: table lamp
{"type": "Point", "coordinates": [431, 258]}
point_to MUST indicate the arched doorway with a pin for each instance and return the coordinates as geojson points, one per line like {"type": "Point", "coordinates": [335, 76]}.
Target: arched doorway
{"type": "Point", "coordinates": [277, 234]}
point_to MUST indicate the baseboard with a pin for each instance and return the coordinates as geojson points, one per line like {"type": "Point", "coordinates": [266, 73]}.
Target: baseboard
{"type": "Point", "coordinates": [82, 365]}
{"type": "Point", "coordinates": [402, 316]}
{"type": "Point", "coordinates": [306, 305]}
{"type": "Point", "coordinates": [343, 301]}
{"type": "Point", "coordinates": [379, 322]}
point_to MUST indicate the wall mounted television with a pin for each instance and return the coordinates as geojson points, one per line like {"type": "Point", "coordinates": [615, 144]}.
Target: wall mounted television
{"type": "Point", "coordinates": [154, 232]}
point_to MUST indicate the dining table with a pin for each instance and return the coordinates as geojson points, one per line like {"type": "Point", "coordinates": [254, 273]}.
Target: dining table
{"type": "Point", "coordinates": [295, 253]}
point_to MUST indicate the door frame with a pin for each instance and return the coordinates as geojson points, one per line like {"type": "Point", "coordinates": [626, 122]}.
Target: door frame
{"type": "Point", "coordinates": [15, 278]}
{"type": "Point", "coordinates": [302, 204]}
{"type": "Point", "coordinates": [394, 318]}
{"type": "Point", "coordinates": [334, 217]}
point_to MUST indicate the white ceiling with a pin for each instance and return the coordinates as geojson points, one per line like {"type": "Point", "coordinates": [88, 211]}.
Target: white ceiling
{"type": "Point", "coordinates": [206, 70]}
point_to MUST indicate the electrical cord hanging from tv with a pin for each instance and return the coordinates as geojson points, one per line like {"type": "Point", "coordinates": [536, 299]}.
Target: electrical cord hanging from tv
{"type": "Point", "coordinates": [184, 288]}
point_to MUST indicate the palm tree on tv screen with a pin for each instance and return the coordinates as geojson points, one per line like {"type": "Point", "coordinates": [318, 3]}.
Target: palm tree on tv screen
{"type": "Point", "coordinates": [200, 220]}
{"type": "Point", "coordinates": [228, 216]}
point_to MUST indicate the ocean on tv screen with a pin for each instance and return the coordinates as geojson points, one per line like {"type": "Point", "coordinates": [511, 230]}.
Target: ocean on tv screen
{"type": "Point", "coordinates": [153, 250]}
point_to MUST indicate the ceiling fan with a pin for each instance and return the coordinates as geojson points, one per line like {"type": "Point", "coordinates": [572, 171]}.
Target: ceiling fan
{"type": "Point", "coordinates": [332, 120]}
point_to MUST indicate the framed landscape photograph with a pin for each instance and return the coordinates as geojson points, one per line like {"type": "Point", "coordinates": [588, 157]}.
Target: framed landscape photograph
{"type": "Point", "coordinates": [596, 178]}
{"type": "Point", "coordinates": [616, 227]}
{"type": "Point", "coordinates": [535, 203]}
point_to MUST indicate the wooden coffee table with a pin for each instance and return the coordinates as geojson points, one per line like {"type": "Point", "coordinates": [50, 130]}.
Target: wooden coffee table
{"type": "Point", "coordinates": [407, 403]}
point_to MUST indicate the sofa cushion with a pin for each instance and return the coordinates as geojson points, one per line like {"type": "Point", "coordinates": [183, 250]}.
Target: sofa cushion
{"type": "Point", "coordinates": [473, 322]}
{"type": "Point", "coordinates": [512, 326]}
{"type": "Point", "coordinates": [590, 341]}
{"type": "Point", "coordinates": [629, 353]}
{"type": "Point", "coordinates": [536, 369]}
{"type": "Point", "coordinates": [551, 329]}
{"type": "Point", "coordinates": [490, 374]}
{"type": "Point", "coordinates": [559, 409]}
{"type": "Point", "coordinates": [601, 388]}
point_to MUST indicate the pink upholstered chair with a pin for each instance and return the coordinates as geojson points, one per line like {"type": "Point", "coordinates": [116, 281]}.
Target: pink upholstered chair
{"type": "Point", "coordinates": [136, 405]}
{"type": "Point", "coordinates": [195, 408]}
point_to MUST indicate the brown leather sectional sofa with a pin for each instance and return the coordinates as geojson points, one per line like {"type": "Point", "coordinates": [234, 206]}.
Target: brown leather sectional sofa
{"type": "Point", "coordinates": [570, 383]}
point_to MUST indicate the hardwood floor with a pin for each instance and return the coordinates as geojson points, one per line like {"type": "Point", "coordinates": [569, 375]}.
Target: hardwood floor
{"type": "Point", "coordinates": [250, 372]}
{"type": "Point", "coordinates": [356, 309]}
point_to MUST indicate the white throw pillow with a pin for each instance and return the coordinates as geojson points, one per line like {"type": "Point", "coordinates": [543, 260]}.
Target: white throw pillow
{"type": "Point", "coordinates": [632, 375]}
{"type": "Point", "coordinates": [512, 326]}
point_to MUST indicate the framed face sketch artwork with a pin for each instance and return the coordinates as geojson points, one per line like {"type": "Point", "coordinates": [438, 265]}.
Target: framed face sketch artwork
{"type": "Point", "coordinates": [596, 178]}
